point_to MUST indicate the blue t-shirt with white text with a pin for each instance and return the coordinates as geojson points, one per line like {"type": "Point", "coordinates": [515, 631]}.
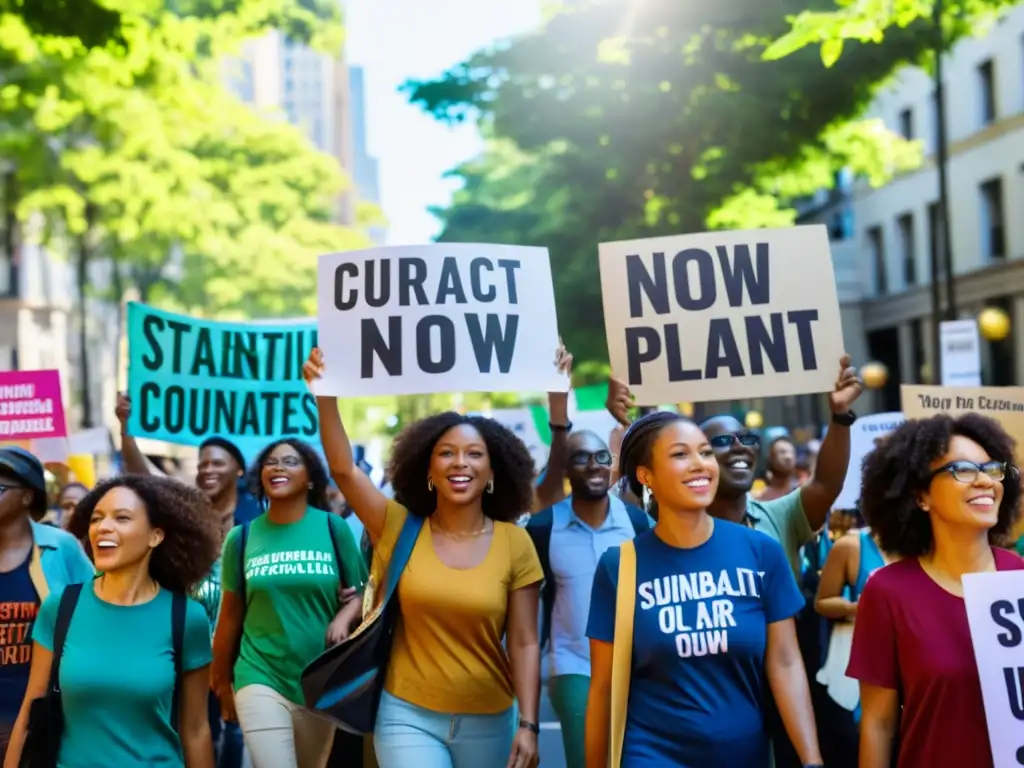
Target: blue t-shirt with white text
{"type": "Point", "coordinates": [699, 636]}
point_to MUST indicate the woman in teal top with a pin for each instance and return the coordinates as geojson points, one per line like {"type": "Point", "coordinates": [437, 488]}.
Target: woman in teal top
{"type": "Point", "coordinates": [282, 605]}
{"type": "Point", "coordinates": [150, 538]}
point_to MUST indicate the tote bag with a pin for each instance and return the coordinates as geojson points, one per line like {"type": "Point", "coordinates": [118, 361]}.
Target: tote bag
{"type": "Point", "coordinates": [622, 651]}
{"type": "Point", "coordinates": [344, 683]}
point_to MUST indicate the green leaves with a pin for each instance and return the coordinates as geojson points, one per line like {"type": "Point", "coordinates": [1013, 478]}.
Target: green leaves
{"type": "Point", "coordinates": [712, 113]}
{"type": "Point", "coordinates": [200, 202]}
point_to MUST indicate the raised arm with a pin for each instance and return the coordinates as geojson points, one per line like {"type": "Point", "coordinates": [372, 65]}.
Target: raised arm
{"type": "Point", "coordinates": [134, 462]}
{"type": "Point", "coordinates": [365, 498]}
{"type": "Point", "coordinates": [552, 488]}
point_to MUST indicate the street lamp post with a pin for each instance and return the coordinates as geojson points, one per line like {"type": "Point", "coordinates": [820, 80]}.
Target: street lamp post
{"type": "Point", "coordinates": [945, 249]}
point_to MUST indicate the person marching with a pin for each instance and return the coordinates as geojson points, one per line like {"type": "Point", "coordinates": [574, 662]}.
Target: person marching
{"type": "Point", "coordinates": [943, 494]}
{"type": "Point", "coordinates": [473, 577]}
{"type": "Point", "coordinates": [712, 627]}
{"type": "Point", "coordinates": [134, 671]}
{"type": "Point", "coordinates": [282, 605]}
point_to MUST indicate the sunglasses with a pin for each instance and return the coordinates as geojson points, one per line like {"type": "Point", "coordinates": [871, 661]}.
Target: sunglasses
{"type": "Point", "coordinates": [967, 471]}
{"type": "Point", "coordinates": [582, 458]}
{"type": "Point", "coordinates": [747, 439]}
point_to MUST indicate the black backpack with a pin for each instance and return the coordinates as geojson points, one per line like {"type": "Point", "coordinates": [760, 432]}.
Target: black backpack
{"type": "Point", "coordinates": [539, 527]}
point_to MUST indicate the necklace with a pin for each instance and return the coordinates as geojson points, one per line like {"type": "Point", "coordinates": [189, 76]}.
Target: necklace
{"type": "Point", "coordinates": [458, 534]}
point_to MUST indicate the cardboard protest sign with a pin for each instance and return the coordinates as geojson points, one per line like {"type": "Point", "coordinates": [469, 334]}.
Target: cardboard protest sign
{"type": "Point", "coordinates": [31, 407]}
{"type": "Point", "coordinates": [960, 353]}
{"type": "Point", "coordinates": [1004, 404]}
{"type": "Point", "coordinates": [190, 379]}
{"type": "Point", "coordinates": [995, 613]}
{"type": "Point", "coordinates": [864, 436]}
{"type": "Point", "coordinates": [722, 315]}
{"type": "Point", "coordinates": [449, 317]}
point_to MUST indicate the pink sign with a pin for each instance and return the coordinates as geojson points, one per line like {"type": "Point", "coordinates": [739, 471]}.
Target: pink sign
{"type": "Point", "coordinates": [30, 405]}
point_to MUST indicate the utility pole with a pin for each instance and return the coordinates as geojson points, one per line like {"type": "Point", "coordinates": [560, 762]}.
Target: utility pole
{"type": "Point", "coordinates": [945, 245]}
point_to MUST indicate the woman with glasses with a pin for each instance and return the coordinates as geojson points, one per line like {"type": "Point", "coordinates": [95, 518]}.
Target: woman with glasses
{"type": "Point", "coordinates": [941, 493]}
{"type": "Point", "coordinates": [570, 538]}
{"type": "Point", "coordinates": [282, 577]}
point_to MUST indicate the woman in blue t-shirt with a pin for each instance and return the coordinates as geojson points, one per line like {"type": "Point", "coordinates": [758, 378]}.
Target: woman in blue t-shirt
{"type": "Point", "coordinates": [713, 622]}
{"type": "Point", "coordinates": [152, 540]}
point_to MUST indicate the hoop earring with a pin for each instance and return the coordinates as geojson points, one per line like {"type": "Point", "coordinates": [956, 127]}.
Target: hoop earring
{"type": "Point", "coordinates": [490, 485]}
{"type": "Point", "coordinates": [311, 486]}
{"type": "Point", "coordinates": [430, 484]}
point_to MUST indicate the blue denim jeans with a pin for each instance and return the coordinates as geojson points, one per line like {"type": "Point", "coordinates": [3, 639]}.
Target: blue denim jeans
{"type": "Point", "coordinates": [407, 735]}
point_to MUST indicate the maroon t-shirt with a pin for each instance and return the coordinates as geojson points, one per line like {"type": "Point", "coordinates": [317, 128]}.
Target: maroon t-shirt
{"type": "Point", "coordinates": [911, 635]}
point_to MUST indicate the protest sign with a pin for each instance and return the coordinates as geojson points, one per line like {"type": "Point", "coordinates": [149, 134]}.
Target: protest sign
{"type": "Point", "coordinates": [31, 407]}
{"type": "Point", "coordinates": [960, 353]}
{"type": "Point", "coordinates": [520, 421]}
{"type": "Point", "coordinates": [440, 318]}
{"type": "Point", "coordinates": [995, 613]}
{"type": "Point", "coordinates": [190, 379]}
{"type": "Point", "coordinates": [1004, 404]}
{"type": "Point", "coordinates": [864, 436]}
{"type": "Point", "coordinates": [722, 315]}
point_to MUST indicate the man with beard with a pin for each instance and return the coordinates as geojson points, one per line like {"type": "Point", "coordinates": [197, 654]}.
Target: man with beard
{"type": "Point", "coordinates": [781, 469]}
{"type": "Point", "coordinates": [570, 538]}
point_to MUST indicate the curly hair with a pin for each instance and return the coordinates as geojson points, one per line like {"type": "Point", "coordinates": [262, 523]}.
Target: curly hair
{"type": "Point", "coordinates": [317, 495]}
{"type": "Point", "coordinates": [511, 464]}
{"type": "Point", "coordinates": [192, 532]}
{"type": "Point", "coordinates": [635, 452]}
{"type": "Point", "coordinates": [898, 469]}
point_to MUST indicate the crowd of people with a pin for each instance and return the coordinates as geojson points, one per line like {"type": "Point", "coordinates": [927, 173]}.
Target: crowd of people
{"type": "Point", "coordinates": [678, 617]}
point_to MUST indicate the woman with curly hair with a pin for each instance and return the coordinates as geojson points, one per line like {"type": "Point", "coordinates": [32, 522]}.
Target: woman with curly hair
{"type": "Point", "coordinates": [282, 605]}
{"type": "Point", "coordinates": [152, 540]}
{"type": "Point", "coordinates": [472, 576]}
{"type": "Point", "coordinates": [941, 493]}
{"type": "Point", "coordinates": [712, 627]}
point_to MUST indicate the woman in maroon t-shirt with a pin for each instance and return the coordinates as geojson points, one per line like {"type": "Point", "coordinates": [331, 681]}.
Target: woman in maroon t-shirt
{"type": "Point", "coordinates": [939, 493]}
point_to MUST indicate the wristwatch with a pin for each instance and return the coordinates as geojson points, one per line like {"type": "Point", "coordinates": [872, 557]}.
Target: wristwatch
{"type": "Point", "coordinates": [532, 727]}
{"type": "Point", "coordinates": [843, 420]}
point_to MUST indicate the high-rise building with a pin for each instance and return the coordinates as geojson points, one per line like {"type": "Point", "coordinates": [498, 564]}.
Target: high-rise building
{"type": "Point", "coordinates": [365, 169]}
{"type": "Point", "coordinates": [310, 89]}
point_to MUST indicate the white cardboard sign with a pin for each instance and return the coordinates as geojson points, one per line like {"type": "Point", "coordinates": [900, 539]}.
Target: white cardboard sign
{"type": "Point", "coordinates": [448, 317]}
{"type": "Point", "coordinates": [864, 434]}
{"type": "Point", "coordinates": [995, 612]}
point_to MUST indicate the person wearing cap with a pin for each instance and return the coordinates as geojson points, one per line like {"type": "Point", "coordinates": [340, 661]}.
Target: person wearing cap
{"type": "Point", "coordinates": [35, 560]}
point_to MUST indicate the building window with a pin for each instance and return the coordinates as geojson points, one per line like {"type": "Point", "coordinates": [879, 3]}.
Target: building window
{"type": "Point", "coordinates": [908, 252]}
{"type": "Point", "coordinates": [876, 242]}
{"type": "Point", "coordinates": [906, 121]}
{"type": "Point", "coordinates": [987, 91]}
{"type": "Point", "coordinates": [993, 222]}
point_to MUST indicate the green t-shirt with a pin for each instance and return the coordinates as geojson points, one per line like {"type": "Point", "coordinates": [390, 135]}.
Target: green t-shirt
{"type": "Point", "coordinates": [207, 594]}
{"type": "Point", "coordinates": [291, 585]}
{"type": "Point", "coordinates": [785, 521]}
{"type": "Point", "coordinates": [117, 679]}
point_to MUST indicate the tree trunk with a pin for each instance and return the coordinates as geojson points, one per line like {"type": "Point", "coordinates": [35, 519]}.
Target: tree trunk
{"type": "Point", "coordinates": [84, 244]}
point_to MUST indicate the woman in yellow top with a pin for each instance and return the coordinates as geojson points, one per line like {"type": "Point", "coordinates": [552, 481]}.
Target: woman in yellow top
{"type": "Point", "coordinates": [472, 576]}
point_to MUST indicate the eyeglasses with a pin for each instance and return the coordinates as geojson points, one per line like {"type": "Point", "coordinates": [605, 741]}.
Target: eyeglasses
{"type": "Point", "coordinates": [287, 461]}
{"type": "Point", "coordinates": [746, 439]}
{"type": "Point", "coordinates": [967, 471]}
{"type": "Point", "coordinates": [582, 458]}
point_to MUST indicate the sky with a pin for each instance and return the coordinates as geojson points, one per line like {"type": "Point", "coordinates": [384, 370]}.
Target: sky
{"type": "Point", "coordinates": [398, 40]}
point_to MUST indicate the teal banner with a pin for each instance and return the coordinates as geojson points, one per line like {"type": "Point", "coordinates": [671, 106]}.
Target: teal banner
{"type": "Point", "coordinates": [190, 379]}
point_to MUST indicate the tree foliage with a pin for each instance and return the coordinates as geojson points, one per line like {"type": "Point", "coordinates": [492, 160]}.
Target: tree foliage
{"type": "Point", "coordinates": [623, 120]}
{"type": "Point", "coordinates": [132, 139]}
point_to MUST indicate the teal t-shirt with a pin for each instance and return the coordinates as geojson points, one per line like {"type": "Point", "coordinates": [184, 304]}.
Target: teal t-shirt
{"type": "Point", "coordinates": [117, 679]}
{"type": "Point", "coordinates": [291, 585]}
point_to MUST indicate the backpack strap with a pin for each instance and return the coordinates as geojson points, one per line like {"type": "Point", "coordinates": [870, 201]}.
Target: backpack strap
{"type": "Point", "coordinates": [622, 650]}
{"type": "Point", "coordinates": [638, 518]}
{"type": "Point", "coordinates": [36, 574]}
{"type": "Point", "coordinates": [539, 528]}
{"type": "Point", "coordinates": [334, 544]}
{"type": "Point", "coordinates": [179, 605]}
{"type": "Point", "coordinates": [65, 610]}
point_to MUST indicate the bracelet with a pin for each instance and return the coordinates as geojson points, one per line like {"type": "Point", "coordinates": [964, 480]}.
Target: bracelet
{"type": "Point", "coordinates": [567, 427]}
{"type": "Point", "coordinates": [532, 727]}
